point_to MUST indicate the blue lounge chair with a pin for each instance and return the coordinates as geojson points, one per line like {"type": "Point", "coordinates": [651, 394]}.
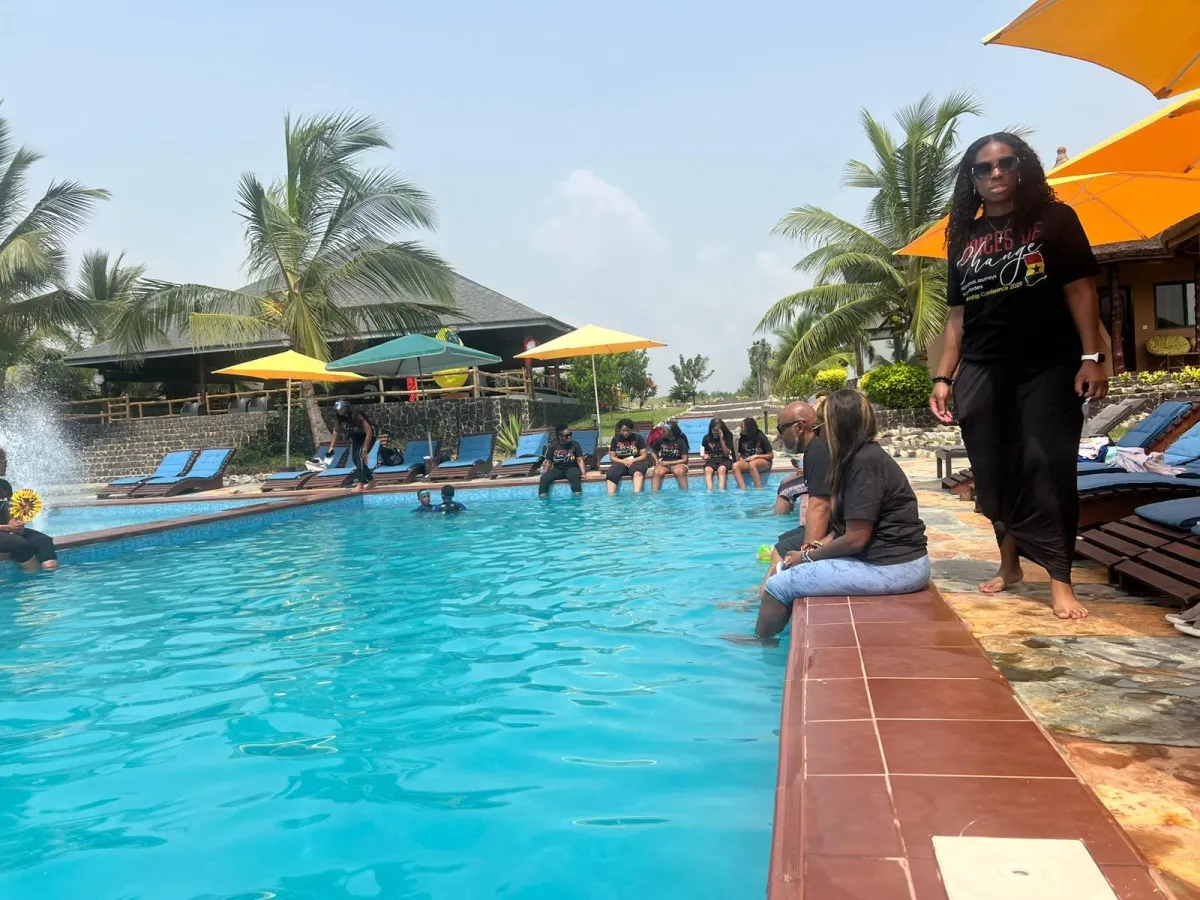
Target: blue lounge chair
{"type": "Point", "coordinates": [174, 463]}
{"type": "Point", "coordinates": [474, 459]}
{"type": "Point", "coordinates": [412, 467]}
{"type": "Point", "coordinates": [588, 439]}
{"type": "Point", "coordinates": [292, 481]}
{"type": "Point", "coordinates": [206, 474]}
{"type": "Point", "coordinates": [1147, 434]}
{"type": "Point", "coordinates": [1183, 454]}
{"type": "Point", "coordinates": [531, 449]}
{"type": "Point", "coordinates": [341, 476]}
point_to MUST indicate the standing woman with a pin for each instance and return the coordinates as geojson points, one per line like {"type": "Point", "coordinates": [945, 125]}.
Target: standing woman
{"type": "Point", "coordinates": [754, 454]}
{"type": "Point", "coordinates": [353, 421]}
{"type": "Point", "coordinates": [718, 453]}
{"type": "Point", "coordinates": [1023, 335]}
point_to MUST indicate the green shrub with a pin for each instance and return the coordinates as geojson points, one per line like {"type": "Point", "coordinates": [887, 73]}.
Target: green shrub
{"type": "Point", "coordinates": [507, 436]}
{"type": "Point", "coordinates": [829, 380]}
{"type": "Point", "coordinates": [1168, 345]}
{"type": "Point", "coordinates": [1188, 373]}
{"type": "Point", "coordinates": [1151, 378]}
{"type": "Point", "coordinates": [864, 380]}
{"type": "Point", "coordinates": [898, 386]}
{"type": "Point", "coordinates": [798, 387]}
{"type": "Point", "coordinates": [1125, 378]}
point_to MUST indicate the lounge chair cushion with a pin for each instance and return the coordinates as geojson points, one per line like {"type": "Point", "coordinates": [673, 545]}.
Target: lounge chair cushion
{"type": "Point", "coordinates": [1156, 424]}
{"type": "Point", "coordinates": [1182, 514]}
{"type": "Point", "coordinates": [174, 463]}
{"type": "Point", "coordinates": [1091, 467]}
{"type": "Point", "coordinates": [1185, 450]}
{"type": "Point", "coordinates": [530, 445]}
{"type": "Point", "coordinates": [1090, 483]}
{"type": "Point", "coordinates": [210, 464]}
{"type": "Point", "coordinates": [343, 471]}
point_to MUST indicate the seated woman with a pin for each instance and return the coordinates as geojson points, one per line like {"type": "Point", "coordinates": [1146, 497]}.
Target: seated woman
{"type": "Point", "coordinates": [717, 452]}
{"type": "Point", "coordinates": [671, 453]}
{"type": "Point", "coordinates": [877, 543]}
{"type": "Point", "coordinates": [564, 462]}
{"type": "Point", "coordinates": [754, 455]}
{"type": "Point", "coordinates": [30, 550]}
{"type": "Point", "coordinates": [628, 458]}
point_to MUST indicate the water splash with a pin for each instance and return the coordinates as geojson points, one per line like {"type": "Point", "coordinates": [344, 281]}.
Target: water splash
{"type": "Point", "coordinates": [39, 453]}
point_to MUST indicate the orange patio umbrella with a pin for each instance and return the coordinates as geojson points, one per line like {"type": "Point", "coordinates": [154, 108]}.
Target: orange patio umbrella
{"type": "Point", "coordinates": [1112, 207]}
{"type": "Point", "coordinates": [1168, 140]}
{"type": "Point", "coordinates": [1153, 42]}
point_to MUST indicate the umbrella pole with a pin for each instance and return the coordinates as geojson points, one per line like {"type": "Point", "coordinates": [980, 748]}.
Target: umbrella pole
{"type": "Point", "coordinates": [596, 391]}
{"type": "Point", "coordinates": [428, 433]}
{"type": "Point", "coordinates": [287, 447]}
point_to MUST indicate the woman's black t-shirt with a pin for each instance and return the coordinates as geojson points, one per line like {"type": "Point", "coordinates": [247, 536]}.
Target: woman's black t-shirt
{"type": "Point", "coordinates": [1011, 286]}
{"type": "Point", "coordinates": [356, 423]}
{"type": "Point", "coordinates": [753, 445]}
{"type": "Point", "coordinates": [671, 448]}
{"type": "Point", "coordinates": [626, 448]}
{"type": "Point", "coordinates": [713, 447]}
{"type": "Point", "coordinates": [877, 490]}
{"type": "Point", "coordinates": [563, 456]}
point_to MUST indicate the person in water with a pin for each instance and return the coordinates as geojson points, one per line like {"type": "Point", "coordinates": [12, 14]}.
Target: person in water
{"type": "Point", "coordinates": [564, 462]}
{"type": "Point", "coordinates": [1021, 353]}
{"type": "Point", "coordinates": [754, 455]}
{"type": "Point", "coordinates": [352, 421]}
{"type": "Point", "coordinates": [671, 453]}
{"type": "Point", "coordinates": [717, 451]}
{"type": "Point", "coordinates": [30, 550]}
{"type": "Point", "coordinates": [424, 504]}
{"type": "Point", "coordinates": [449, 504]}
{"type": "Point", "coordinates": [876, 543]}
{"type": "Point", "coordinates": [628, 458]}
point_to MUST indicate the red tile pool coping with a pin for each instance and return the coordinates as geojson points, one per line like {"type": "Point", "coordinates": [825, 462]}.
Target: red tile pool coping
{"type": "Point", "coordinates": [895, 728]}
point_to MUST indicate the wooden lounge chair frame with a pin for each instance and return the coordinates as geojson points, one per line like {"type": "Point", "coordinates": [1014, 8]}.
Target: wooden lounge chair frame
{"type": "Point", "coordinates": [303, 476]}
{"type": "Point", "coordinates": [521, 471]}
{"type": "Point", "coordinates": [408, 472]}
{"type": "Point", "coordinates": [1141, 553]}
{"type": "Point", "coordinates": [189, 484]}
{"type": "Point", "coordinates": [479, 468]}
{"type": "Point", "coordinates": [321, 482]}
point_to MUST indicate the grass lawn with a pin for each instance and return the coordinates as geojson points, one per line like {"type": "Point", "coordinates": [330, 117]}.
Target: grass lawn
{"type": "Point", "coordinates": [608, 420]}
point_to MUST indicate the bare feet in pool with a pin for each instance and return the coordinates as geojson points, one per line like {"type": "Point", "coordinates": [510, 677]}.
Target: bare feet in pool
{"type": "Point", "coordinates": [1064, 603]}
{"type": "Point", "coordinates": [1004, 578]}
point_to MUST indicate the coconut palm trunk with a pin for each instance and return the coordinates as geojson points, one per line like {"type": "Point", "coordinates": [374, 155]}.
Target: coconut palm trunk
{"type": "Point", "coordinates": [321, 434]}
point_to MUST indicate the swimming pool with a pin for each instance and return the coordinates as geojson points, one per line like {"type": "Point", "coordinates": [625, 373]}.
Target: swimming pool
{"type": "Point", "coordinates": [530, 700]}
{"type": "Point", "coordinates": [61, 520]}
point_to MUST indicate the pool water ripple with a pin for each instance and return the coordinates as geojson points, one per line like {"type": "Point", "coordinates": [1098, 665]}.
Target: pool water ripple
{"type": "Point", "coordinates": [529, 700]}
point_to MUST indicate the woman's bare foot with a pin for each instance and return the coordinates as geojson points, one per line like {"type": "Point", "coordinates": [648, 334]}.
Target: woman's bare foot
{"type": "Point", "coordinates": [1064, 603]}
{"type": "Point", "coordinates": [1005, 578]}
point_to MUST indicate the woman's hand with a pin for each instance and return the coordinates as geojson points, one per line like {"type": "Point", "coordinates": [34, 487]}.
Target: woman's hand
{"type": "Point", "coordinates": [937, 403]}
{"type": "Point", "coordinates": [1091, 381]}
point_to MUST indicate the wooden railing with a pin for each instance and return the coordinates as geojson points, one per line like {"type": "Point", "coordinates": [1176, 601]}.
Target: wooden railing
{"type": "Point", "coordinates": [512, 383]}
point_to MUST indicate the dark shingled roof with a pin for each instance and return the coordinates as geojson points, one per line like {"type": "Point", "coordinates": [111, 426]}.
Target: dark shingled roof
{"type": "Point", "coordinates": [479, 308]}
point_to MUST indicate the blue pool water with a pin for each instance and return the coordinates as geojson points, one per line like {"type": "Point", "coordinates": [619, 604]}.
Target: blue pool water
{"type": "Point", "coordinates": [62, 520]}
{"type": "Point", "coordinates": [531, 700]}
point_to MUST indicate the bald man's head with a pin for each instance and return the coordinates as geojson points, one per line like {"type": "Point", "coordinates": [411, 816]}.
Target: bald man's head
{"type": "Point", "coordinates": [795, 423]}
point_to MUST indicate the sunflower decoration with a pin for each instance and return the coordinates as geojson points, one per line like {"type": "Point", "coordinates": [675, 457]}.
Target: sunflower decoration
{"type": "Point", "coordinates": [25, 505]}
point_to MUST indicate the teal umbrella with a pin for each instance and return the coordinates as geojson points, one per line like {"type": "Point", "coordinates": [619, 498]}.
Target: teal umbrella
{"type": "Point", "coordinates": [411, 356]}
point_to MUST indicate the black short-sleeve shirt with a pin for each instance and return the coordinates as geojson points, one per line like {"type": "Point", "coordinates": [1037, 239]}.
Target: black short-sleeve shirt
{"type": "Point", "coordinates": [563, 456]}
{"type": "Point", "coordinates": [751, 445]}
{"type": "Point", "coordinates": [816, 468]}
{"type": "Point", "coordinates": [712, 446]}
{"type": "Point", "coordinates": [671, 448]}
{"type": "Point", "coordinates": [877, 490]}
{"type": "Point", "coordinates": [1011, 285]}
{"type": "Point", "coordinates": [626, 448]}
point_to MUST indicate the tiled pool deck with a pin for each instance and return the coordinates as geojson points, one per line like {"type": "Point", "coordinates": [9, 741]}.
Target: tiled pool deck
{"type": "Point", "coordinates": [944, 713]}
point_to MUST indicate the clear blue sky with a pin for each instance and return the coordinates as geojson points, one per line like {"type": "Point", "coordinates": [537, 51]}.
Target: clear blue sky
{"type": "Point", "coordinates": [617, 163]}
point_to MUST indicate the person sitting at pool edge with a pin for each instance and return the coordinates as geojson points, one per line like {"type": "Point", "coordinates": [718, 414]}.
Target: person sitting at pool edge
{"type": "Point", "coordinates": [564, 462]}
{"type": "Point", "coordinates": [801, 433]}
{"type": "Point", "coordinates": [717, 451]}
{"type": "Point", "coordinates": [754, 455]}
{"type": "Point", "coordinates": [671, 453]}
{"type": "Point", "coordinates": [876, 544]}
{"type": "Point", "coordinates": [449, 504]}
{"type": "Point", "coordinates": [628, 458]}
{"type": "Point", "coordinates": [423, 502]}
{"type": "Point", "coordinates": [29, 549]}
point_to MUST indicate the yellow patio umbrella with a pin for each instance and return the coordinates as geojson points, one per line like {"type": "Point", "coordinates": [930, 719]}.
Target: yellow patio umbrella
{"type": "Point", "coordinates": [593, 341]}
{"type": "Point", "coordinates": [288, 366]}
{"type": "Point", "coordinates": [1153, 42]}
{"type": "Point", "coordinates": [1112, 207]}
{"type": "Point", "coordinates": [1168, 140]}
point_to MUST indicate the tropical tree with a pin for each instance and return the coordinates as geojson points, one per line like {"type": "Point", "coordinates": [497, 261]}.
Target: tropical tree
{"type": "Point", "coordinates": [38, 312]}
{"type": "Point", "coordinates": [689, 374]}
{"type": "Point", "coordinates": [323, 252]}
{"type": "Point", "coordinates": [859, 283]}
{"type": "Point", "coordinates": [759, 382]}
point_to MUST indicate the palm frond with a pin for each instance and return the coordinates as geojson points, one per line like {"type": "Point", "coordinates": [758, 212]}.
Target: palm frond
{"type": "Point", "coordinates": [830, 332]}
{"type": "Point", "coordinates": [226, 329]}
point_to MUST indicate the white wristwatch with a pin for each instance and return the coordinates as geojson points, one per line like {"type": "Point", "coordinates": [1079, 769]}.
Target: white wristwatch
{"type": "Point", "coordinates": [1093, 357]}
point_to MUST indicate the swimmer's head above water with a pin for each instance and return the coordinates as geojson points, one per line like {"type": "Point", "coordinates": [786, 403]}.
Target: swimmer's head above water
{"type": "Point", "coordinates": [447, 492]}
{"type": "Point", "coordinates": [423, 498]}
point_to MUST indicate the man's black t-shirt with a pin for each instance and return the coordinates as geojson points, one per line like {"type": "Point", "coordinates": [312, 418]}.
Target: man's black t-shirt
{"type": "Point", "coordinates": [626, 448]}
{"type": "Point", "coordinates": [671, 448]}
{"type": "Point", "coordinates": [6, 493]}
{"type": "Point", "coordinates": [1012, 287]}
{"type": "Point", "coordinates": [877, 490]}
{"type": "Point", "coordinates": [752, 445]}
{"type": "Point", "coordinates": [712, 446]}
{"type": "Point", "coordinates": [563, 456]}
{"type": "Point", "coordinates": [816, 468]}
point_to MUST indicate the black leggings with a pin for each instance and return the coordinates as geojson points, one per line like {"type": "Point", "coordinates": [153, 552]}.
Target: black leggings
{"type": "Point", "coordinates": [28, 544]}
{"type": "Point", "coordinates": [1021, 424]}
{"type": "Point", "coordinates": [358, 453]}
{"type": "Point", "coordinates": [553, 474]}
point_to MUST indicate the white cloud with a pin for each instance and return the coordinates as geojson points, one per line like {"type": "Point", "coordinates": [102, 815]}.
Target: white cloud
{"type": "Point", "coordinates": [606, 262]}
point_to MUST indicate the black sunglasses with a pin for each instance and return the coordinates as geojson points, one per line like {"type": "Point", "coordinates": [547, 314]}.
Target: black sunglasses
{"type": "Point", "coordinates": [1006, 164]}
{"type": "Point", "coordinates": [781, 427]}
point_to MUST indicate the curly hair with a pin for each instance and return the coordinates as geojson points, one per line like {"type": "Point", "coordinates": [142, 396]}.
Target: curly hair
{"type": "Point", "coordinates": [1030, 198]}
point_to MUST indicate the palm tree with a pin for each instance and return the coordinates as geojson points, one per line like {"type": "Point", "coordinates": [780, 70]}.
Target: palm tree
{"type": "Point", "coordinates": [859, 283]}
{"type": "Point", "coordinates": [37, 310]}
{"type": "Point", "coordinates": [321, 252]}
